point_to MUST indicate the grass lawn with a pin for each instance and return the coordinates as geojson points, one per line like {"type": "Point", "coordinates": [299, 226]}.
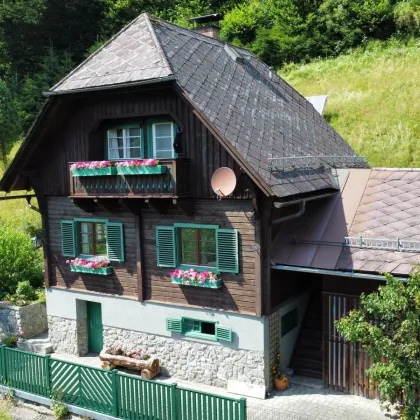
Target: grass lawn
{"type": "Point", "coordinates": [374, 99]}
{"type": "Point", "coordinates": [16, 213]}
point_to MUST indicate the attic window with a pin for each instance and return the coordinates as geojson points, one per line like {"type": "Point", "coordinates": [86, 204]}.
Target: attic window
{"type": "Point", "coordinates": [124, 143]}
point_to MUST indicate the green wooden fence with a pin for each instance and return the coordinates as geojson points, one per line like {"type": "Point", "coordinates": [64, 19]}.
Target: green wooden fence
{"type": "Point", "coordinates": [110, 392]}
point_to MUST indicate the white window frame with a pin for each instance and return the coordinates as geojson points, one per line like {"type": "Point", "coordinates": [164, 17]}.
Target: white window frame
{"type": "Point", "coordinates": [126, 143]}
{"type": "Point", "coordinates": [172, 139]}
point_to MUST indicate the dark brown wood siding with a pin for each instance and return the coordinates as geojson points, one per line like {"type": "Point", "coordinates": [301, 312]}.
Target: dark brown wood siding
{"type": "Point", "coordinates": [238, 293]}
{"type": "Point", "coordinates": [124, 279]}
{"type": "Point", "coordinates": [81, 138]}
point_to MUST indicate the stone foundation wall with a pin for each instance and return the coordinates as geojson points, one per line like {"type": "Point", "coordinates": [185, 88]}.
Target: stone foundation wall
{"type": "Point", "coordinates": [63, 335]}
{"type": "Point", "coordinates": [197, 362]}
{"type": "Point", "coordinates": [31, 319]}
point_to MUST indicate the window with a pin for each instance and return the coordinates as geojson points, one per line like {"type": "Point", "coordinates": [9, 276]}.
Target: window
{"type": "Point", "coordinates": [124, 143]}
{"type": "Point", "coordinates": [163, 134]}
{"type": "Point", "coordinates": [185, 245]}
{"type": "Point", "coordinates": [289, 321]}
{"type": "Point", "coordinates": [92, 238]}
{"type": "Point", "coordinates": [198, 246]}
{"type": "Point", "coordinates": [197, 328]}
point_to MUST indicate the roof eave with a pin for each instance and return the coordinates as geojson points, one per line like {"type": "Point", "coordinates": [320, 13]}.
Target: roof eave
{"type": "Point", "coordinates": [111, 87]}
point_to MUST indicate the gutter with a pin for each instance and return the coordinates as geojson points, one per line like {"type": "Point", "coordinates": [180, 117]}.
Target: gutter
{"type": "Point", "coordinates": [302, 207]}
{"type": "Point", "coordinates": [109, 87]}
{"type": "Point", "coordinates": [294, 268]}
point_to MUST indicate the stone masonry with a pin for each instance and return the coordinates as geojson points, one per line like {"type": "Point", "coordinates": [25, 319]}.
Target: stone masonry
{"type": "Point", "coordinates": [62, 333]}
{"type": "Point", "coordinates": [31, 319]}
{"type": "Point", "coordinates": [208, 364]}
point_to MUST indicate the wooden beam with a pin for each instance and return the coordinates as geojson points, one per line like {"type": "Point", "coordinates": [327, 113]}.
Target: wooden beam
{"type": "Point", "coordinates": [265, 281]}
{"type": "Point", "coordinates": [139, 264]}
{"type": "Point", "coordinates": [134, 206]}
{"type": "Point", "coordinates": [17, 197]}
{"type": "Point", "coordinates": [158, 205]}
{"type": "Point", "coordinates": [110, 205]}
{"type": "Point", "coordinates": [86, 204]}
{"type": "Point", "coordinates": [36, 183]}
{"type": "Point", "coordinates": [186, 206]}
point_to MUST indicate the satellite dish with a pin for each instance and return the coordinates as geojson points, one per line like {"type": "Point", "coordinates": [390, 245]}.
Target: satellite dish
{"type": "Point", "coordinates": [223, 182]}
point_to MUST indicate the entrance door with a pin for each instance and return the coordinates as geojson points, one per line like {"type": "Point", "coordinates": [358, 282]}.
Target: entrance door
{"type": "Point", "coordinates": [95, 328]}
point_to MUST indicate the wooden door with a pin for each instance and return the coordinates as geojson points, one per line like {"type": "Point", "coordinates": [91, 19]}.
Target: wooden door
{"type": "Point", "coordinates": [345, 364]}
{"type": "Point", "coordinates": [95, 327]}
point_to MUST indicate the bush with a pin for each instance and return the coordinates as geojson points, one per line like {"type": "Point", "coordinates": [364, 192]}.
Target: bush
{"type": "Point", "coordinates": [19, 261]}
{"type": "Point", "coordinates": [387, 325]}
{"type": "Point", "coordinates": [407, 16]}
{"type": "Point", "coordinates": [25, 291]}
{"type": "Point", "coordinates": [10, 341]}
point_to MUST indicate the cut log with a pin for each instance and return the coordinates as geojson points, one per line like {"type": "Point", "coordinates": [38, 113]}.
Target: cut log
{"type": "Point", "coordinates": [108, 366]}
{"type": "Point", "coordinates": [148, 374]}
{"type": "Point", "coordinates": [151, 364]}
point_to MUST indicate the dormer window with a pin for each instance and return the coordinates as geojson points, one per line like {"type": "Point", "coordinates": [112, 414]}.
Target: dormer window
{"type": "Point", "coordinates": [124, 143]}
{"type": "Point", "coordinates": [163, 135]}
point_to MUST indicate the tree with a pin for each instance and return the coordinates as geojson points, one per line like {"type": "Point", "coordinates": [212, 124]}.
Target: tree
{"type": "Point", "coordinates": [9, 121]}
{"type": "Point", "coordinates": [54, 66]}
{"type": "Point", "coordinates": [388, 326]}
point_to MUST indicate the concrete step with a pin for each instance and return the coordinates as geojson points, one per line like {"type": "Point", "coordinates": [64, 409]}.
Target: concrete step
{"type": "Point", "coordinates": [40, 344]}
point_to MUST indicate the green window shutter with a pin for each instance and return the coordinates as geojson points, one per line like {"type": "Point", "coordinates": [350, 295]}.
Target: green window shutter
{"type": "Point", "coordinates": [165, 246]}
{"type": "Point", "coordinates": [68, 240]}
{"type": "Point", "coordinates": [223, 333]}
{"type": "Point", "coordinates": [227, 250]}
{"type": "Point", "coordinates": [174, 324]}
{"type": "Point", "coordinates": [115, 241]}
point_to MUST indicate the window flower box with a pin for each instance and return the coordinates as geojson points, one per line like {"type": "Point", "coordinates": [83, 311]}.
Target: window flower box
{"type": "Point", "coordinates": [91, 266]}
{"type": "Point", "coordinates": [95, 168]}
{"type": "Point", "coordinates": [194, 278]}
{"type": "Point", "coordinates": [104, 271]}
{"type": "Point", "coordinates": [140, 167]}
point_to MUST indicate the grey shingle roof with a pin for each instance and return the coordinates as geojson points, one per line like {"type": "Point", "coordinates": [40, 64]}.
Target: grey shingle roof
{"type": "Point", "coordinates": [256, 111]}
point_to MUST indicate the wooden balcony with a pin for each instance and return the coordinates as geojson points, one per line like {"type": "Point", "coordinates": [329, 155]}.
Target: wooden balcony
{"type": "Point", "coordinates": [171, 184]}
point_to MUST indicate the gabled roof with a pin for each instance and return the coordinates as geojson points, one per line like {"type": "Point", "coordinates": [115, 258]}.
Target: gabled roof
{"type": "Point", "coordinates": [380, 203]}
{"type": "Point", "coordinates": [255, 113]}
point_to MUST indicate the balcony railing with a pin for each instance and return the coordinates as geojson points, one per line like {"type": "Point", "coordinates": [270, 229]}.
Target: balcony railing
{"type": "Point", "coordinates": [172, 183]}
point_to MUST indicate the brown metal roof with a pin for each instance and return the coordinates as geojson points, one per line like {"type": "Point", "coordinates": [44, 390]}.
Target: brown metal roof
{"type": "Point", "coordinates": [377, 203]}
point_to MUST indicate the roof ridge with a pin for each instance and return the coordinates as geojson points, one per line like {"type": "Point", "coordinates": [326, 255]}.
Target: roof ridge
{"type": "Point", "coordinates": [90, 57]}
{"type": "Point", "coordinates": [156, 41]}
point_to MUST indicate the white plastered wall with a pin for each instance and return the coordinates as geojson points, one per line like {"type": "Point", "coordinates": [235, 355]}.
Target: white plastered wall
{"type": "Point", "coordinates": [150, 318]}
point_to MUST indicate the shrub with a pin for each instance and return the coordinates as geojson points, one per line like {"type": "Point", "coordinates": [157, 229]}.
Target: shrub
{"type": "Point", "coordinates": [19, 261]}
{"type": "Point", "coordinates": [58, 407]}
{"type": "Point", "coordinates": [5, 410]}
{"type": "Point", "coordinates": [407, 16]}
{"type": "Point", "coordinates": [10, 341]}
{"type": "Point", "coordinates": [41, 296]}
{"type": "Point", "coordinates": [25, 291]}
{"type": "Point", "coordinates": [387, 325]}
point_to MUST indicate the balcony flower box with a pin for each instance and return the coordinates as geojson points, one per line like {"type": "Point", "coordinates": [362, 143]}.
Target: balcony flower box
{"type": "Point", "coordinates": [140, 167]}
{"type": "Point", "coordinates": [90, 266]}
{"type": "Point", "coordinates": [96, 168]}
{"type": "Point", "coordinates": [206, 279]}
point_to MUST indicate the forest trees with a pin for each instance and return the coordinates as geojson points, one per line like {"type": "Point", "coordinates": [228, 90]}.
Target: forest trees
{"type": "Point", "coordinates": [40, 40]}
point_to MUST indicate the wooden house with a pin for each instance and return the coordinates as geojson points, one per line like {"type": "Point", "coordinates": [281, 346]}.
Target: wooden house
{"type": "Point", "coordinates": [196, 104]}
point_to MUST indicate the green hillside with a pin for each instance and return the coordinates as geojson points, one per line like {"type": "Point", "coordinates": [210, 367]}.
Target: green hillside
{"type": "Point", "coordinates": [374, 99]}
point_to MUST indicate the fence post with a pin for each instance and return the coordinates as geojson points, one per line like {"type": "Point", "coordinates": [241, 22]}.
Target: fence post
{"type": "Point", "coordinates": [47, 375]}
{"type": "Point", "coordinates": [3, 362]}
{"type": "Point", "coordinates": [114, 379]}
{"type": "Point", "coordinates": [242, 408]}
{"type": "Point", "coordinates": [174, 414]}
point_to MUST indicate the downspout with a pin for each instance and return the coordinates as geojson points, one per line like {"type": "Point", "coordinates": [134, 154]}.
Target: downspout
{"type": "Point", "coordinates": [302, 208]}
